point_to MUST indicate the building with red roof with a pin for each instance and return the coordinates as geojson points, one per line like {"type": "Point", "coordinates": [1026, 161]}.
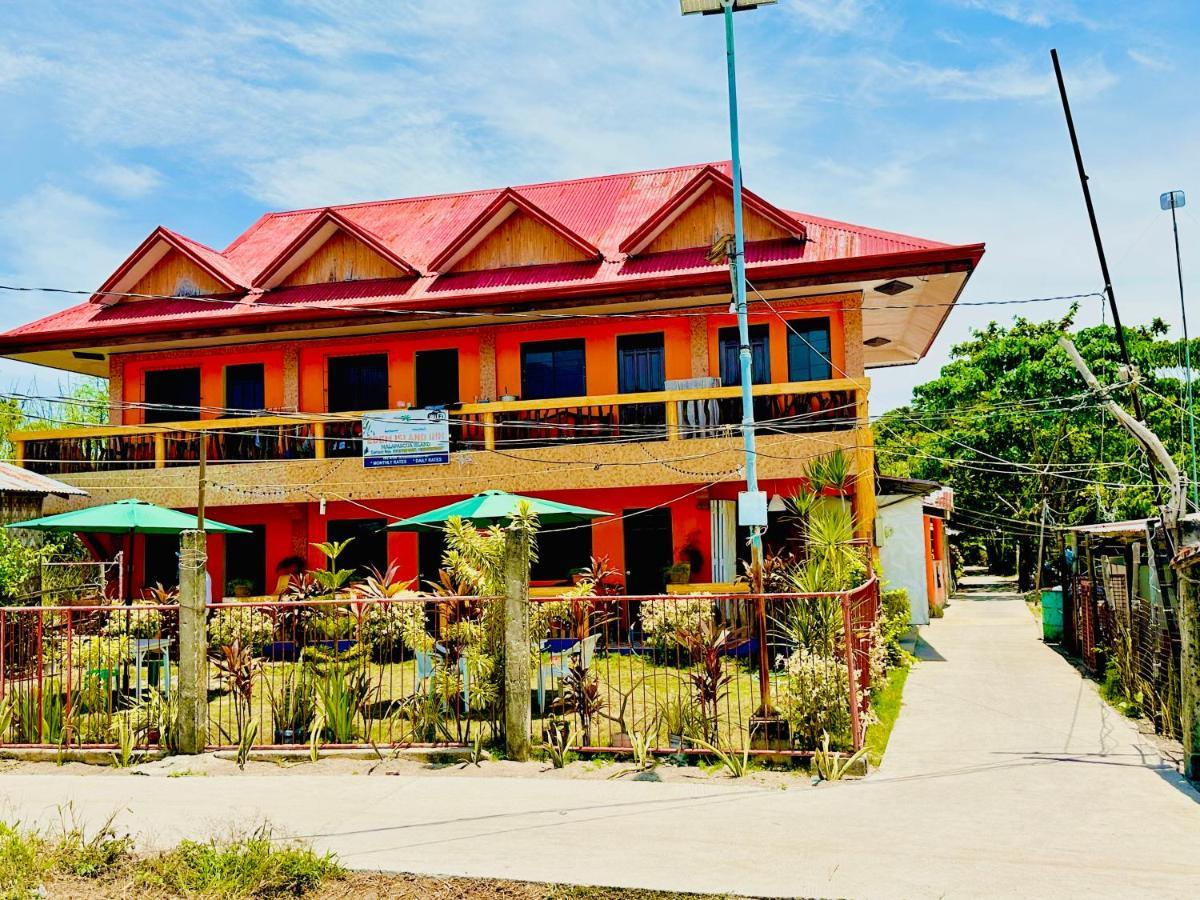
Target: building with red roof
{"type": "Point", "coordinates": [576, 333]}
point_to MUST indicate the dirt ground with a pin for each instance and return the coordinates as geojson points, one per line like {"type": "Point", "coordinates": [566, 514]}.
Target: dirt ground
{"type": "Point", "coordinates": [390, 887]}
{"type": "Point", "coordinates": [597, 769]}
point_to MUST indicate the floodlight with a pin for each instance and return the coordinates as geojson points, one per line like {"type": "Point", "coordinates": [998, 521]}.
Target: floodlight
{"type": "Point", "coordinates": [712, 7]}
{"type": "Point", "coordinates": [1172, 200]}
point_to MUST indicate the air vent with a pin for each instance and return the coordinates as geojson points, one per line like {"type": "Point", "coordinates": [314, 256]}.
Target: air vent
{"type": "Point", "coordinates": [877, 341]}
{"type": "Point", "coordinates": [892, 288]}
{"type": "Point", "coordinates": [84, 354]}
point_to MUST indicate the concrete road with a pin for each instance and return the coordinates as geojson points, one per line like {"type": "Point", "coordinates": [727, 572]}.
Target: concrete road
{"type": "Point", "coordinates": [1007, 776]}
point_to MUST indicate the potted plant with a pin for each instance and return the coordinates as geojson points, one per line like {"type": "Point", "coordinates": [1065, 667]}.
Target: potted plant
{"type": "Point", "coordinates": [683, 723]}
{"type": "Point", "coordinates": [680, 573]}
{"type": "Point", "coordinates": [240, 587]}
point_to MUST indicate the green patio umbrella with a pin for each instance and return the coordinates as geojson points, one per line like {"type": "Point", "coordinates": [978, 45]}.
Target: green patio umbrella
{"type": "Point", "coordinates": [125, 517]}
{"type": "Point", "coordinates": [497, 508]}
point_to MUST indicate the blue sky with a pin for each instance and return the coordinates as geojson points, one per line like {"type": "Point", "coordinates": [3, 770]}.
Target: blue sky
{"type": "Point", "coordinates": [937, 118]}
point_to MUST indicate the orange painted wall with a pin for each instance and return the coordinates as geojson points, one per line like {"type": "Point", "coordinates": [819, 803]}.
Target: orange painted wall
{"type": "Point", "coordinates": [212, 365]}
{"type": "Point", "coordinates": [779, 336]}
{"type": "Point", "coordinates": [601, 359]}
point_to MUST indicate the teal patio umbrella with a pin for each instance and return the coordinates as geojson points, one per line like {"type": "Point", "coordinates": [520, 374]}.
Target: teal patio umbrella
{"type": "Point", "coordinates": [128, 517]}
{"type": "Point", "coordinates": [497, 508]}
{"type": "Point", "coordinates": [125, 517]}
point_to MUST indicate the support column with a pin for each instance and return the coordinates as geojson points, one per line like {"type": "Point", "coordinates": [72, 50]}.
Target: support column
{"type": "Point", "coordinates": [487, 366]}
{"type": "Point", "coordinates": [518, 721]}
{"type": "Point", "coordinates": [1189, 665]}
{"type": "Point", "coordinates": [291, 378]}
{"type": "Point", "coordinates": [191, 695]}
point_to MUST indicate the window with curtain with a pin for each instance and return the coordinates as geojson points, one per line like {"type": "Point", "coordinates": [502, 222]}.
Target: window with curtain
{"type": "Point", "coordinates": [760, 350]}
{"type": "Point", "coordinates": [809, 350]}
{"type": "Point", "coordinates": [553, 369]}
{"type": "Point", "coordinates": [245, 390]}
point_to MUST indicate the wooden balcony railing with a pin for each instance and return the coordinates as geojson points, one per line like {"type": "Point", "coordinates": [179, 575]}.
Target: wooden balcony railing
{"type": "Point", "coordinates": [659, 416]}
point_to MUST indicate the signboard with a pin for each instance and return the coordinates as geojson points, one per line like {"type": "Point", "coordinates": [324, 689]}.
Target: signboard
{"type": "Point", "coordinates": [407, 437]}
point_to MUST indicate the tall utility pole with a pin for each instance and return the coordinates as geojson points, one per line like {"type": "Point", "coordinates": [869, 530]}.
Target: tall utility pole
{"type": "Point", "coordinates": [752, 505]}
{"type": "Point", "coordinates": [1174, 200]}
{"type": "Point", "coordinates": [1091, 211]}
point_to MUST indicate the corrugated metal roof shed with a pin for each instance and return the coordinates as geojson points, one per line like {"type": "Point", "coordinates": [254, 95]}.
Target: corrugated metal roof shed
{"type": "Point", "coordinates": [17, 480]}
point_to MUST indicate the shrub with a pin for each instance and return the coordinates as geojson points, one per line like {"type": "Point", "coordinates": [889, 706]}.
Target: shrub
{"type": "Point", "coordinates": [387, 627]}
{"type": "Point", "coordinates": [663, 620]}
{"type": "Point", "coordinates": [815, 699]}
{"type": "Point", "coordinates": [245, 625]}
{"type": "Point", "coordinates": [894, 622]}
{"type": "Point", "coordinates": [136, 623]}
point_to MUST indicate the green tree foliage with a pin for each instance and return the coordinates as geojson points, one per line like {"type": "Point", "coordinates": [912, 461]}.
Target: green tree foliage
{"type": "Point", "coordinates": [1009, 423]}
{"type": "Point", "coordinates": [84, 402]}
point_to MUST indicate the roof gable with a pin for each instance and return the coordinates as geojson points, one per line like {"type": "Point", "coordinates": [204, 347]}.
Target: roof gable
{"type": "Point", "coordinates": [168, 264]}
{"type": "Point", "coordinates": [332, 248]}
{"type": "Point", "coordinates": [532, 237]}
{"type": "Point", "coordinates": [687, 219]}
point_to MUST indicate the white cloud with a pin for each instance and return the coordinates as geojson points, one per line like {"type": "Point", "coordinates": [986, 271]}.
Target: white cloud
{"type": "Point", "coordinates": [59, 238]}
{"type": "Point", "coordinates": [832, 16]}
{"type": "Point", "coordinates": [1149, 60]}
{"type": "Point", "coordinates": [128, 182]}
{"type": "Point", "coordinates": [1016, 79]}
{"type": "Point", "coordinates": [1034, 13]}
{"type": "Point", "coordinates": [16, 67]}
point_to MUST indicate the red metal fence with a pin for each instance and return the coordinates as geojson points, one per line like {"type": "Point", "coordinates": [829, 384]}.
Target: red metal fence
{"type": "Point", "coordinates": [677, 671]}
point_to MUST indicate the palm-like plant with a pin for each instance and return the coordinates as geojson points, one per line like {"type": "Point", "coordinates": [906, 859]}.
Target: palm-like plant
{"type": "Point", "coordinates": [707, 643]}
{"type": "Point", "coordinates": [236, 666]}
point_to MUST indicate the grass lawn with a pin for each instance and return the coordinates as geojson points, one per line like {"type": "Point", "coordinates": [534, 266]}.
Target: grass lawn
{"type": "Point", "coordinates": [103, 865]}
{"type": "Point", "coordinates": [886, 704]}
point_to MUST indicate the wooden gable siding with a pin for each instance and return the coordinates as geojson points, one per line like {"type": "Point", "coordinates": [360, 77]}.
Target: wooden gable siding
{"type": "Point", "coordinates": [713, 211]}
{"type": "Point", "coordinates": [176, 274]}
{"type": "Point", "coordinates": [343, 258]}
{"type": "Point", "coordinates": [520, 240]}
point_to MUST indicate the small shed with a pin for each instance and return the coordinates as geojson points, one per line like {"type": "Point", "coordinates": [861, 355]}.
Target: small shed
{"type": "Point", "coordinates": [23, 492]}
{"type": "Point", "coordinates": [913, 541]}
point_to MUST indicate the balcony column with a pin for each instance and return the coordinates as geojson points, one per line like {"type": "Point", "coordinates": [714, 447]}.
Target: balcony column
{"type": "Point", "coordinates": [116, 390]}
{"type": "Point", "coordinates": [853, 329]}
{"type": "Point", "coordinates": [291, 378]}
{"type": "Point", "coordinates": [864, 466]}
{"type": "Point", "coordinates": [487, 366]}
{"type": "Point", "coordinates": [699, 346]}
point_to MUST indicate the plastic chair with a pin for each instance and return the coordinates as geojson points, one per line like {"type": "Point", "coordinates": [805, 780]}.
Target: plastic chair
{"type": "Point", "coordinates": [426, 669]}
{"type": "Point", "coordinates": [557, 668]}
{"type": "Point", "coordinates": [158, 646]}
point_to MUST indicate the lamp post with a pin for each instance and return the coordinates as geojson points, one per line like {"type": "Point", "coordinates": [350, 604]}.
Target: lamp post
{"type": "Point", "coordinates": [1174, 200]}
{"type": "Point", "coordinates": [752, 503]}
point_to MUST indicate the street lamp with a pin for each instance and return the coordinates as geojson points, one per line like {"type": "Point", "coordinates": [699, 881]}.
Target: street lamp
{"type": "Point", "coordinates": [752, 503]}
{"type": "Point", "coordinates": [1174, 200]}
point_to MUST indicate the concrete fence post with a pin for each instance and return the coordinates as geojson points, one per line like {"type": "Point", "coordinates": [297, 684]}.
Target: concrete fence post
{"type": "Point", "coordinates": [191, 694]}
{"type": "Point", "coordinates": [518, 723]}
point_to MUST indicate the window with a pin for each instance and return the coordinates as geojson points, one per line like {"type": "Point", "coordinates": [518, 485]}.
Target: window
{"type": "Point", "coordinates": [760, 349]}
{"type": "Point", "coordinates": [559, 552]}
{"type": "Point", "coordinates": [368, 549]}
{"type": "Point", "coordinates": [436, 374]}
{"type": "Point", "coordinates": [809, 350]}
{"type": "Point", "coordinates": [177, 391]}
{"type": "Point", "coordinates": [358, 382]}
{"type": "Point", "coordinates": [641, 367]}
{"type": "Point", "coordinates": [244, 389]}
{"type": "Point", "coordinates": [553, 369]}
{"type": "Point", "coordinates": [246, 559]}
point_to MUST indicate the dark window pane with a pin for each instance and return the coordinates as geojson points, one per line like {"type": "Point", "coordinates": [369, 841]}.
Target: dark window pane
{"type": "Point", "coordinates": [367, 550]}
{"type": "Point", "coordinates": [809, 350]}
{"type": "Point", "coordinates": [760, 349]}
{"type": "Point", "coordinates": [244, 389]}
{"type": "Point", "coordinates": [553, 369]}
{"type": "Point", "coordinates": [436, 374]}
{"type": "Point", "coordinates": [176, 389]}
{"type": "Point", "coordinates": [358, 382]}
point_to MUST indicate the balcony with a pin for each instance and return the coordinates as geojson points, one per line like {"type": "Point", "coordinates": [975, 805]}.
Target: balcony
{"type": "Point", "coordinates": [669, 416]}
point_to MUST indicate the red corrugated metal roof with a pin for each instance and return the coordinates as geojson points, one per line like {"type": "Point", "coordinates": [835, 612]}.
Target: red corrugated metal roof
{"type": "Point", "coordinates": [602, 211]}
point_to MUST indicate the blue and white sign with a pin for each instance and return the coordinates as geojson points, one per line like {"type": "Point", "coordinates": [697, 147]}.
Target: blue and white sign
{"type": "Point", "coordinates": [407, 437]}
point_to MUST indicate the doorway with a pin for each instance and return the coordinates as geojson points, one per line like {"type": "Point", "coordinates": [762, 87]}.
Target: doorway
{"type": "Point", "coordinates": [246, 559]}
{"type": "Point", "coordinates": [649, 549]}
{"type": "Point", "coordinates": [357, 383]}
{"type": "Point", "coordinates": [245, 389]}
{"type": "Point", "coordinates": [367, 550]}
{"type": "Point", "coordinates": [171, 395]}
{"type": "Point", "coordinates": [436, 374]}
